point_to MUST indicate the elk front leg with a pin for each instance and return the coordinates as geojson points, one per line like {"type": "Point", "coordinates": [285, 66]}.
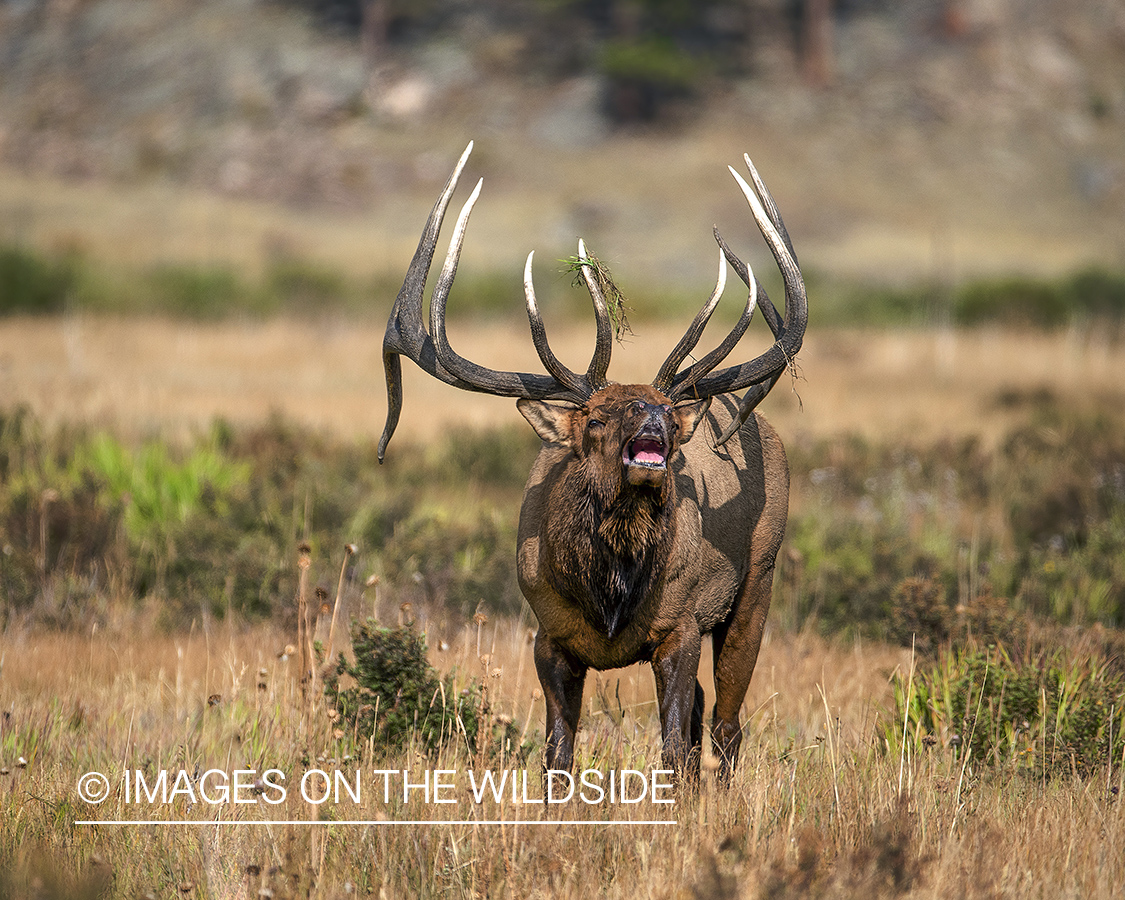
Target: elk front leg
{"type": "Point", "coordinates": [674, 666]}
{"type": "Point", "coordinates": [562, 678]}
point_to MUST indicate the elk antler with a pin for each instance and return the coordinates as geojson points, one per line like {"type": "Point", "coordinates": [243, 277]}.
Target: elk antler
{"type": "Point", "coordinates": [407, 335]}
{"type": "Point", "coordinates": [762, 373]}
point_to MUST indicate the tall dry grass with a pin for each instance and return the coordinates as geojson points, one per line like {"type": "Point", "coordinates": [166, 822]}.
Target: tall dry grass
{"type": "Point", "coordinates": [818, 808]}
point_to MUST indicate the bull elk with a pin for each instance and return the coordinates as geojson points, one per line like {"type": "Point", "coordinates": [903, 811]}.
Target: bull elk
{"type": "Point", "coordinates": [635, 541]}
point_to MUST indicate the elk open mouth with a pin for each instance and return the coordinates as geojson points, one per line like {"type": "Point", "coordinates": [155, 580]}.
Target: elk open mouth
{"type": "Point", "coordinates": [648, 450]}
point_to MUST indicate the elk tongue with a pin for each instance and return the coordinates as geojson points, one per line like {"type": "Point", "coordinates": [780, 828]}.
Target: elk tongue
{"type": "Point", "coordinates": [647, 451]}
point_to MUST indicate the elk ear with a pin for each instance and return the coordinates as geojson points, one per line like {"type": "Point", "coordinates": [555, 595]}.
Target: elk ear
{"type": "Point", "coordinates": [552, 423]}
{"type": "Point", "coordinates": [688, 416]}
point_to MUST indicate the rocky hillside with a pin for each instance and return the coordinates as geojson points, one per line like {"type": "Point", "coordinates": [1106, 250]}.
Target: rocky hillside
{"type": "Point", "coordinates": [992, 144]}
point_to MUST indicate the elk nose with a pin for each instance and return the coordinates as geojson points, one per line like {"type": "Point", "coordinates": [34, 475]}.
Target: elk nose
{"type": "Point", "coordinates": [652, 409]}
{"type": "Point", "coordinates": [655, 415]}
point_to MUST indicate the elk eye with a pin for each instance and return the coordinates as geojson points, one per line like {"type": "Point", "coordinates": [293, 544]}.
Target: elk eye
{"type": "Point", "coordinates": [594, 424]}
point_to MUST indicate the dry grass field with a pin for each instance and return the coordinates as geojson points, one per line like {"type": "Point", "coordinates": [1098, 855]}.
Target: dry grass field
{"type": "Point", "coordinates": [153, 376]}
{"type": "Point", "coordinates": [819, 807]}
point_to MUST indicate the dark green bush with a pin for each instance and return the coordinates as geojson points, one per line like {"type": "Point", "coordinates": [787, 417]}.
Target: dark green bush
{"type": "Point", "coordinates": [1048, 715]}
{"type": "Point", "coordinates": [1088, 294]}
{"type": "Point", "coordinates": [213, 526]}
{"type": "Point", "coordinates": [196, 291]}
{"type": "Point", "coordinates": [1097, 293]}
{"type": "Point", "coordinates": [1011, 301]}
{"type": "Point", "coordinates": [884, 540]}
{"type": "Point", "coordinates": [397, 695]}
{"type": "Point", "coordinates": [853, 570]}
{"type": "Point", "coordinates": [642, 76]}
{"type": "Point", "coordinates": [460, 563]}
{"type": "Point", "coordinates": [871, 519]}
{"type": "Point", "coordinates": [396, 699]}
{"type": "Point", "coordinates": [1063, 474]}
{"type": "Point", "coordinates": [499, 458]}
{"type": "Point", "coordinates": [34, 283]}
{"type": "Point", "coordinates": [1078, 583]}
{"type": "Point", "coordinates": [656, 62]}
{"type": "Point", "coordinates": [298, 286]}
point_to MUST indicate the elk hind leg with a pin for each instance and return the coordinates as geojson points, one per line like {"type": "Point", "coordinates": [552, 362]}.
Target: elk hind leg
{"type": "Point", "coordinates": [696, 750]}
{"type": "Point", "coordinates": [736, 643]}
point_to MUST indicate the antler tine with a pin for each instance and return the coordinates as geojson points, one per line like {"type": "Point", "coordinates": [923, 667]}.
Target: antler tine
{"type": "Point", "coordinates": [750, 400]}
{"type": "Point", "coordinates": [663, 380]}
{"type": "Point", "coordinates": [790, 334]}
{"type": "Point", "coordinates": [769, 311]}
{"type": "Point", "coordinates": [770, 205]}
{"type": "Point", "coordinates": [459, 367]}
{"type": "Point", "coordinates": [405, 330]}
{"type": "Point", "coordinates": [467, 374]}
{"type": "Point", "coordinates": [539, 337]}
{"type": "Point", "coordinates": [599, 363]}
{"type": "Point", "coordinates": [684, 384]}
{"type": "Point", "coordinates": [757, 393]}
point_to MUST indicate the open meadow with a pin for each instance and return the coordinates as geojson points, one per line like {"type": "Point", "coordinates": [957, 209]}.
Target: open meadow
{"type": "Point", "coordinates": [937, 710]}
{"type": "Point", "coordinates": [240, 659]}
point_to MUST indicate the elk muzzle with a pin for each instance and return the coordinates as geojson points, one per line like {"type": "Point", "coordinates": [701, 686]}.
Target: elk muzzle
{"type": "Point", "coordinates": [645, 454]}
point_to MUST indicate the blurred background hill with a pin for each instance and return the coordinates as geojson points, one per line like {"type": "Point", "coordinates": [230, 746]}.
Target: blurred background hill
{"type": "Point", "coordinates": [917, 141]}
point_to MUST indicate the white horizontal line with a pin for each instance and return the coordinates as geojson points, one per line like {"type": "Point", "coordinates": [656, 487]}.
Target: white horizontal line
{"type": "Point", "coordinates": [307, 822]}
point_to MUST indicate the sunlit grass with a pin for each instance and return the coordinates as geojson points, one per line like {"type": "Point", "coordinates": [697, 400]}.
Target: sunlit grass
{"type": "Point", "coordinates": [818, 806]}
{"type": "Point", "coordinates": [826, 802]}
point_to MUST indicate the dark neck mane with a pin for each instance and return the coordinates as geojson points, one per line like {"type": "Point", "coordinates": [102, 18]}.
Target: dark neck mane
{"type": "Point", "coordinates": [614, 554]}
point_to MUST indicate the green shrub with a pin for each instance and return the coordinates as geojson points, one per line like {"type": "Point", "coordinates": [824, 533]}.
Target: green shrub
{"type": "Point", "coordinates": [1047, 715]}
{"type": "Point", "coordinates": [461, 562]}
{"type": "Point", "coordinates": [497, 458]}
{"type": "Point", "coordinates": [903, 542]}
{"type": "Point", "coordinates": [1097, 293]}
{"type": "Point", "coordinates": [299, 286]}
{"type": "Point", "coordinates": [853, 571]}
{"type": "Point", "coordinates": [657, 62]}
{"type": "Point", "coordinates": [34, 283]}
{"type": "Point", "coordinates": [397, 699]}
{"type": "Point", "coordinates": [872, 519]}
{"type": "Point", "coordinates": [397, 695]}
{"type": "Point", "coordinates": [1061, 475]}
{"type": "Point", "coordinates": [80, 508]}
{"type": "Point", "coordinates": [1011, 301]}
{"type": "Point", "coordinates": [1088, 294]}
{"type": "Point", "coordinates": [1083, 583]}
{"type": "Point", "coordinates": [158, 491]}
{"type": "Point", "coordinates": [213, 526]}
{"type": "Point", "coordinates": [193, 291]}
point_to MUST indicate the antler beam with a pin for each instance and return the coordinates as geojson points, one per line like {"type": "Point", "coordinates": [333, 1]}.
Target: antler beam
{"type": "Point", "coordinates": [407, 334]}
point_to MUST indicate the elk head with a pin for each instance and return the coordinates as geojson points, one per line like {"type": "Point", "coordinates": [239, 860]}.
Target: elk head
{"type": "Point", "coordinates": [625, 434]}
{"type": "Point", "coordinates": [672, 406]}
